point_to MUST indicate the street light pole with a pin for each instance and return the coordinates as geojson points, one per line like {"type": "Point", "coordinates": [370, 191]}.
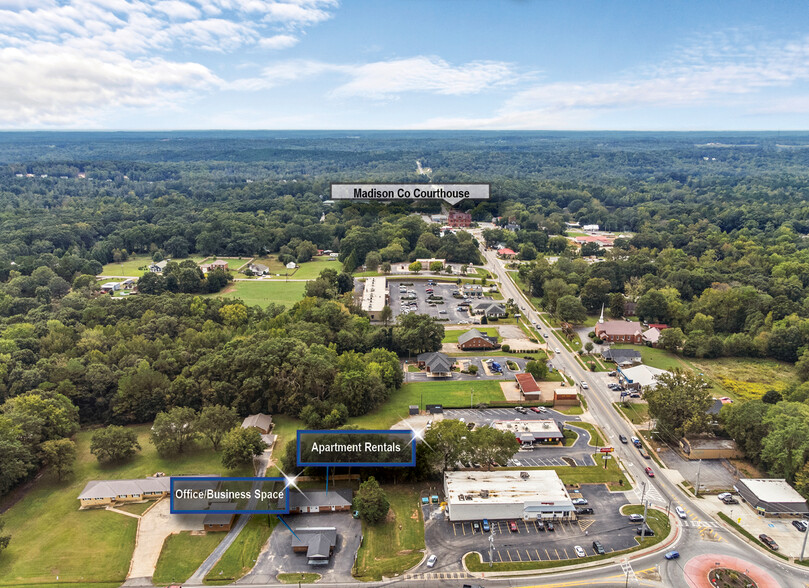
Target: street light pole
{"type": "Point", "coordinates": [696, 490]}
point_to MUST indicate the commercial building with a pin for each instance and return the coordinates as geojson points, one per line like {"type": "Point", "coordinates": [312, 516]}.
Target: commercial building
{"type": "Point", "coordinates": [506, 253]}
{"type": "Point", "coordinates": [530, 432]}
{"type": "Point", "coordinates": [566, 397]}
{"type": "Point", "coordinates": [619, 331]}
{"type": "Point", "coordinates": [506, 494]}
{"type": "Point", "coordinates": [105, 492]}
{"type": "Point", "coordinates": [316, 542]}
{"type": "Point", "coordinates": [771, 497]}
{"type": "Point", "coordinates": [490, 309]}
{"type": "Point", "coordinates": [219, 521]}
{"type": "Point", "coordinates": [319, 501]}
{"type": "Point", "coordinates": [641, 377]}
{"type": "Point", "coordinates": [627, 357]}
{"type": "Point", "coordinates": [474, 339]}
{"type": "Point", "coordinates": [459, 219]}
{"type": "Point", "coordinates": [710, 448]}
{"type": "Point", "coordinates": [436, 364]}
{"type": "Point", "coordinates": [529, 389]}
{"type": "Point", "coordinates": [375, 297]}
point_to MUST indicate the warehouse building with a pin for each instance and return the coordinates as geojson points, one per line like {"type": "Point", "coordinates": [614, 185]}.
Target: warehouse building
{"type": "Point", "coordinates": [505, 494]}
{"type": "Point", "coordinates": [375, 297]}
{"type": "Point", "coordinates": [771, 497]}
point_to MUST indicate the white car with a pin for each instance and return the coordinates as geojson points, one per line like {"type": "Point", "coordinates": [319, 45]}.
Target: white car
{"type": "Point", "coordinates": [579, 551]}
{"type": "Point", "coordinates": [724, 495]}
{"type": "Point", "coordinates": [579, 501]}
{"type": "Point", "coordinates": [584, 385]}
{"type": "Point", "coordinates": [557, 350]}
{"type": "Point", "coordinates": [431, 561]}
{"type": "Point", "coordinates": [681, 512]}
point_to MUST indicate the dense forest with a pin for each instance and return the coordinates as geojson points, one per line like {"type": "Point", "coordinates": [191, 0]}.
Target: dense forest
{"type": "Point", "coordinates": [715, 245]}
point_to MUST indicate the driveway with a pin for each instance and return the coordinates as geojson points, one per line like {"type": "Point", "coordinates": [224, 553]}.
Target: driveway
{"type": "Point", "coordinates": [713, 475]}
{"type": "Point", "coordinates": [277, 556]}
{"type": "Point", "coordinates": [153, 528]}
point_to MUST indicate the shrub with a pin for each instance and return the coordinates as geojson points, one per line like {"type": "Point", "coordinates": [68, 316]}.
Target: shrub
{"type": "Point", "coordinates": [506, 348]}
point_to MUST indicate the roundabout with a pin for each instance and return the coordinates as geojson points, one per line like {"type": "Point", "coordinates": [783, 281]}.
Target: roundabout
{"type": "Point", "coordinates": [698, 569]}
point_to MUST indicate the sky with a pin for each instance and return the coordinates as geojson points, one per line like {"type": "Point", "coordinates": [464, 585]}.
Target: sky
{"type": "Point", "coordinates": [404, 64]}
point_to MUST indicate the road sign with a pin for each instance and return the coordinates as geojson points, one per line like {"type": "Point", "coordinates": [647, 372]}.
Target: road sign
{"type": "Point", "coordinates": [607, 449]}
{"type": "Point", "coordinates": [607, 456]}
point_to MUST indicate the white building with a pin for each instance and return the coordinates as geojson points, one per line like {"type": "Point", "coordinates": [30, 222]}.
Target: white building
{"type": "Point", "coordinates": [590, 228]}
{"type": "Point", "coordinates": [506, 494]}
{"type": "Point", "coordinates": [375, 296]}
{"type": "Point", "coordinates": [533, 431]}
{"type": "Point", "coordinates": [643, 377]}
{"type": "Point", "coordinates": [111, 287]}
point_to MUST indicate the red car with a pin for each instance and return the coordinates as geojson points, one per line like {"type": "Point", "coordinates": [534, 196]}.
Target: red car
{"type": "Point", "coordinates": [536, 409]}
{"type": "Point", "coordinates": [650, 473]}
{"type": "Point", "coordinates": [512, 525]}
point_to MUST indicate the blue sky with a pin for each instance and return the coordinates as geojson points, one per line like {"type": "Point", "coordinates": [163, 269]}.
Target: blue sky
{"type": "Point", "coordinates": [403, 64]}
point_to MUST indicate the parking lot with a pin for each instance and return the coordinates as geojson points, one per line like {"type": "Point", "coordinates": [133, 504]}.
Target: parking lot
{"type": "Point", "coordinates": [451, 540]}
{"type": "Point", "coordinates": [464, 362]}
{"type": "Point", "coordinates": [414, 299]}
{"type": "Point", "coordinates": [484, 416]}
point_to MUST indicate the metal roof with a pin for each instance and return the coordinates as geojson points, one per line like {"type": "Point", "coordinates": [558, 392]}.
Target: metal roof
{"type": "Point", "coordinates": [113, 488]}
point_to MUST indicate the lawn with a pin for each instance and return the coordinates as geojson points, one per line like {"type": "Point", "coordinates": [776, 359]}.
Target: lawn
{"type": "Point", "coordinates": [271, 261]}
{"type": "Point", "coordinates": [241, 556]}
{"type": "Point", "coordinates": [234, 263]}
{"type": "Point", "coordinates": [612, 476]}
{"type": "Point", "coordinates": [131, 267]}
{"type": "Point", "coordinates": [394, 545]}
{"type": "Point", "coordinates": [262, 293]}
{"type": "Point", "coordinates": [636, 412]}
{"type": "Point", "coordinates": [311, 269]}
{"type": "Point", "coordinates": [596, 439]}
{"type": "Point", "coordinates": [655, 357]}
{"type": "Point", "coordinates": [303, 578]}
{"type": "Point", "coordinates": [85, 546]}
{"type": "Point", "coordinates": [182, 554]}
{"type": "Point", "coordinates": [137, 508]}
{"type": "Point", "coordinates": [451, 335]}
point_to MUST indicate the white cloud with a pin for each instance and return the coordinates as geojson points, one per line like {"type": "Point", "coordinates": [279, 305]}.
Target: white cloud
{"type": "Point", "coordinates": [177, 10]}
{"type": "Point", "coordinates": [278, 42]}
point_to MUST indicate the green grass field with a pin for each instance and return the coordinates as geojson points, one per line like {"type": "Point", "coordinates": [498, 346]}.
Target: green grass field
{"type": "Point", "coordinates": [394, 545]}
{"type": "Point", "coordinates": [264, 292]}
{"type": "Point", "coordinates": [451, 336]}
{"type": "Point", "coordinates": [636, 412]}
{"type": "Point", "coordinates": [182, 554]}
{"type": "Point", "coordinates": [51, 537]}
{"type": "Point", "coordinates": [311, 269]}
{"type": "Point", "coordinates": [241, 556]}
{"type": "Point", "coordinates": [302, 578]}
{"type": "Point", "coordinates": [130, 267]}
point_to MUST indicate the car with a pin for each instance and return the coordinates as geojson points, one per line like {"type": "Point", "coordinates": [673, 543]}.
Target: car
{"type": "Point", "coordinates": [475, 526]}
{"type": "Point", "coordinates": [672, 554]}
{"type": "Point", "coordinates": [517, 462]}
{"type": "Point", "coordinates": [486, 527]}
{"type": "Point", "coordinates": [545, 335]}
{"type": "Point", "coordinates": [612, 386]}
{"type": "Point", "coordinates": [536, 409]}
{"type": "Point", "coordinates": [636, 518]}
{"type": "Point", "coordinates": [584, 511]}
{"type": "Point", "coordinates": [800, 525]}
{"type": "Point", "coordinates": [512, 526]}
{"type": "Point", "coordinates": [622, 439]}
{"type": "Point", "coordinates": [645, 531]}
{"type": "Point", "coordinates": [431, 561]}
{"type": "Point", "coordinates": [579, 551]}
{"type": "Point", "coordinates": [541, 525]}
{"type": "Point", "coordinates": [557, 350]}
{"type": "Point", "coordinates": [598, 548]}
{"type": "Point", "coordinates": [635, 441]}
{"type": "Point", "coordinates": [634, 395]}
{"type": "Point", "coordinates": [613, 374]}
{"type": "Point", "coordinates": [644, 455]}
{"type": "Point", "coordinates": [681, 512]}
{"type": "Point", "coordinates": [768, 541]}
{"type": "Point", "coordinates": [649, 472]}
{"type": "Point", "coordinates": [579, 501]}
{"type": "Point", "coordinates": [521, 410]}
{"type": "Point", "coordinates": [584, 385]}
{"type": "Point", "coordinates": [724, 495]}
{"type": "Point", "coordinates": [442, 311]}
{"type": "Point", "coordinates": [462, 420]}
{"type": "Point", "coordinates": [549, 526]}
{"type": "Point", "coordinates": [730, 500]}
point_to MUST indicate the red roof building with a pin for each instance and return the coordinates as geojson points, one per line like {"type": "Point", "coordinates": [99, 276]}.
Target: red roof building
{"type": "Point", "coordinates": [506, 252]}
{"type": "Point", "coordinates": [619, 331]}
{"type": "Point", "coordinates": [528, 385]}
{"type": "Point", "coordinates": [458, 218]}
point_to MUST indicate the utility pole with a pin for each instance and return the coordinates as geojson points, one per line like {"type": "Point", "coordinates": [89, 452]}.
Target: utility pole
{"type": "Point", "coordinates": [491, 549]}
{"type": "Point", "coordinates": [696, 490]}
{"type": "Point", "coordinates": [805, 535]}
{"type": "Point", "coordinates": [644, 526]}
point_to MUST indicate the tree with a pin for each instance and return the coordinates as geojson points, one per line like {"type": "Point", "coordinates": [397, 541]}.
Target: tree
{"type": "Point", "coordinates": [4, 539]}
{"type": "Point", "coordinates": [771, 397]}
{"type": "Point", "coordinates": [372, 261]}
{"type": "Point", "coordinates": [151, 283]}
{"type": "Point", "coordinates": [417, 333]}
{"type": "Point", "coordinates": [114, 443]}
{"type": "Point", "coordinates": [385, 267]}
{"type": "Point", "coordinates": [446, 444]}
{"type": "Point", "coordinates": [289, 461]}
{"type": "Point", "coordinates": [214, 422]}
{"type": "Point", "coordinates": [16, 457]}
{"type": "Point", "coordinates": [174, 430]}
{"type": "Point", "coordinates": [702, 323]}
{"type": "Point", "coordinates": [590, 249]}
{"type": "Point", "coordinates": [744, 422]}
{"type": "Point", "coordinates": [802, 366]}
{"type": "Point", "coordinates": [371, 502]}
{"type": "Point", "coordinates": [233, 314]}
{"type": "Point", "coordinates": [617, 305]}
{"type": "Point", "coordinates": [41, 416]}
{"type": "Point", "coordinates": [595, 293]}
{"type": "Point", "coordinates": [785, 449]}
{"type": "Point", "coordinates": [652, 307]}
{"type": "Point", "coordinates": [570, 310]}
{"type": "Point", "coordinates": [386, 315]}
{"type": "Point", "coordinates": [487, 445]}
{"type": "Point", "coordinates": [589, 346]}
{"type": "Point", "coordinates": [415, 267]}
{"type": "Point", "coordinates": [671, 339]}
{"type": "Point", "coordinates": [239, 446]}
{"type": "Point", "coordinates": [436, 266]}
{"type": "Point", "coordinates": [350, 263]}
{"type": "Point", "coordinates": [679, 402]}
{"type": "Point", "coordinates": [538, 369]}
{"type": "Point", "coordinates": [59, 455]}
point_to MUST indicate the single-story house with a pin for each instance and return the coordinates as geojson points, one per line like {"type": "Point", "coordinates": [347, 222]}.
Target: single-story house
{"type": "Point", "coordinates": [158, 267]}
{"type": "Point", "coordinates": [641, 377]}
{"type": "Point", "coordinates": [474, 339]}
{"type": "Point", "coordinates": [129, 283]}
{"type": "Point", "coordinates": [292, 265]}
{"type": "Point", "coordinates": [770, 497]}
{"type": "Point", "coordinates": [529, 389]}
{"type": "Point", "coordinates": [218, 521]}
{"type": "Point", "coordinates": [622, 356]}
{"type": "Point", "coordinates": [619, 331]}
{"type": "Point", "coordinates": [260, 421]}
{"type": "Point", "coordinates": [490, 309]}
{"type": "Point", "coordinates": [710, 448]}
{"type": "Point", "coordinates": [320, 501]}
{"type": "Point", "coordinates": [717, 405]}
{"type": "Point", "coordinates": [111, 287]}
{"type": "Point", "coordinates": [506, 253]}
{"type": "Point", "coordinates": [629, 308]}
{"type": "Point", "coordinates": [651, 336]}
{"type": "Point", "coordinates": [603, 241]}
{"type": "Point", "coordinates": [436, 364]}
{"type": "Point", "coordinates": [316, 542]}
{"type": "Point", "coordinates": [105, 492]}
{"type": "Point", "coordinates": [258, 269]}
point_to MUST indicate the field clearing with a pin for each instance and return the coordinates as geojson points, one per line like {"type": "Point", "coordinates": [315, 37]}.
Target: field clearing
{"type": "Point", "coordinates": [86, 546]}
{"type": "Point", "coordinates": [395, 545]}
{"type": "Point", "coordinates": [130, 267]}
{"type": "Point", "coordinates": [262, 293]}
{"type": "Point", "coordinates": [309, 270]}
{"type": "Point", "coordinates": [182, 554]}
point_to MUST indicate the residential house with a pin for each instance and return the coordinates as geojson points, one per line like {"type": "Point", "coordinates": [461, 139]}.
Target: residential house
{"type": "Point", "coordinates": [316, 542]}
{"type": "Point", "coordinates": [312, 501]}
{"type": "Point", "coordinates": [474, 339]}
{"type": "Point", "coordinates": [107, 492]}
{"type": "Point", "coordinates": [158, 267]}
{"type": "Point", "coordinates": [219, 521]}
{"type": "Point", "coordinates": [651, 336]}
{"type": "Point", "coordinates": [506, 253]}
{"type": "Point", "coordinates": [436, 364]}
{"type": "Point", "coordinates": [258, 269]}
{"type": "Point", "coordinates": [292, 265]}
{"type": "Point", "coordinates": [260, 421]}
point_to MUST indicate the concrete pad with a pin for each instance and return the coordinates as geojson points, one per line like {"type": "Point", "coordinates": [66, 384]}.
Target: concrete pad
{"type": "Point", "coordinates": [510, 390]}
{"type": "Point", "coordinates": [153, 528]}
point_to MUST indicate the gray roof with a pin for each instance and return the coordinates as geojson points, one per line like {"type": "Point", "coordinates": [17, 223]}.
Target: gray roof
{"type": "Point", "coordinates": [259, 267]}
{"type": "Point", "coordinates": [318, 540]}
{"type": "Point", "coordinates": [260, 420]}
{"type": "Point", "coordinates": [160, 264]}
{"type": "Point", "coordinates": [320, 498]}
{"type": "Point", "coordinates": [621, 355]}
{"type": "Point", "coordinates": [436, 361]}
{"type": "Point", "coordinates": [490, 308]}
{"type": "Point", "coordinates": [471, 334]}
{"type": "Point", "coordinates": [219, 518]}
{"type": "Point", "coordinates": [114, 488]}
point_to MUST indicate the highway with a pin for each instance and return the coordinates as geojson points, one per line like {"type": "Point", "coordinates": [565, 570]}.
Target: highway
{"type": "Point", "coordinates": [692, 540]}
